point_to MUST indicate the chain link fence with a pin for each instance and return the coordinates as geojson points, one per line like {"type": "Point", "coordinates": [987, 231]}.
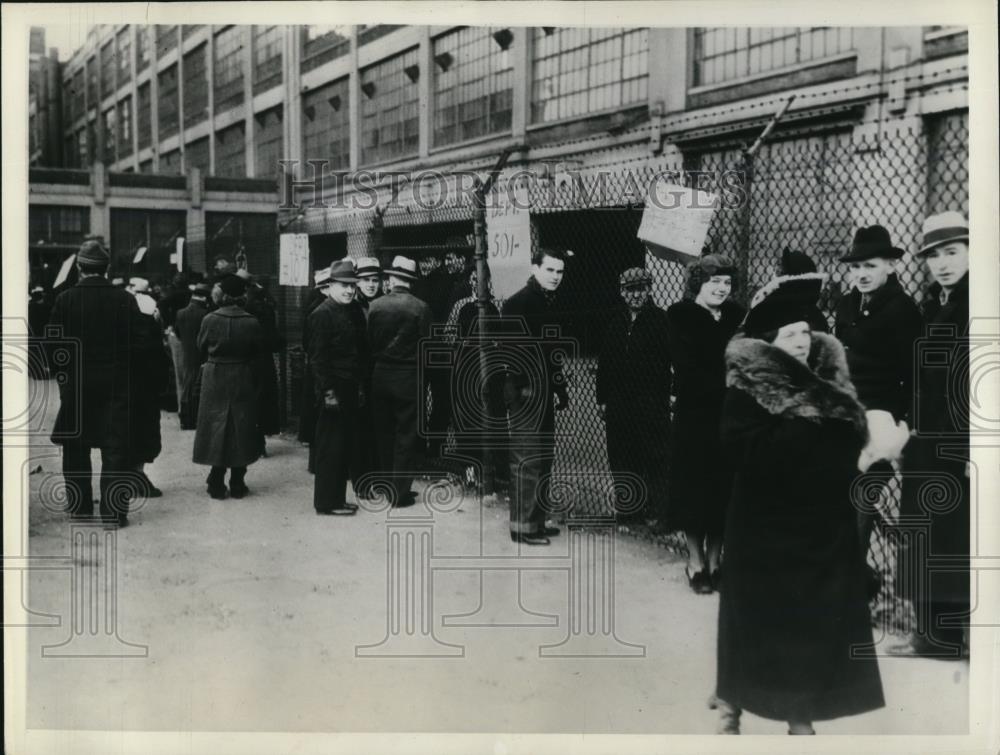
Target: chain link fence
{"type": "Point", "coordinates": [809, 189]}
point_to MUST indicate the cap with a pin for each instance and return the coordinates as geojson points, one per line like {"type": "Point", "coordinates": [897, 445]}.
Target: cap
{"type": "Point", "coordinates": [634, 276]}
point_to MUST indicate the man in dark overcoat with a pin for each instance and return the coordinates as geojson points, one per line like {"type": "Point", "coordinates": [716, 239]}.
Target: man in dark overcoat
{"type": "Point", "coordinates": [633, 396]}
{"type": "Point", "coordinates": [149, 375]}
{"type": "Point", "coordinates": [187, 325]}
{"type": "Point", "coordinates": [103, 323]}
{"type": "Point", "coordinates": [937, 456]}
{"type": "Point", "coordinates": [369, 272]}
{"type": "Point", "coordinates": [533, 377]}
{"type": "Point", "coordinates": [307, 405]}
{"type": "Point", "coordinates": [396, 323]}
{"type": "Point", "coordinates": [878, 323]}
{"type": "Point", "coordinates": [338, 354]}
{"type": "Point", "coordinates": [260, 305]}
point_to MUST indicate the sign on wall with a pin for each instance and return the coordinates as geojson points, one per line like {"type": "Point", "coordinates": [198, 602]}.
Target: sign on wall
{"type": "Point", "coordinates": [293, 259]}
{"type": "Point", "coordinates": [508, 243]}
{"type": "Point", "coordinates": [676, 220]}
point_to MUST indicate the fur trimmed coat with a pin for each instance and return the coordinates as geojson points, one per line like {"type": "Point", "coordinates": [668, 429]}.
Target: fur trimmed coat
{"type": "Point", "coordinates": [793, 598]}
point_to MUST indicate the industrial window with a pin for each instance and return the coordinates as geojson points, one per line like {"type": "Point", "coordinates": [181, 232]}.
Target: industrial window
{"type": "Point", "coordinates": [142, 48]}
{"type": "Point", "coordinates": [169, 106]}
{"type": "Point", "coordinates": [146, 166]}
{"type": "Point", "coordinates": [189, 29]}
{"type": "Point", "coordinates": [368, 34]}
{"type": "Point", "coordinates": [170, 162]}
{"type": "Point", "coordinates": [166, 39]}
{"type": "Point", "coordinates": [91, 142]}
{"type": "Point", "coordinates": [108, 69]}
{"type": "Point", "coordinates": [58, 225]}
{"type": "Point", "coordinates": [581, 71]}
{"type": "Point", "coordinates": [71, 151]}
{"type": "Point", "coordinates": [726, 53]}
{"type": "Point", "coordinates": [124, 57]}
{"type": "Point", "coordinates": [473, 76]}
{"type": "Point", "coordinates": [198, 155]}
{"type": "Point", "coordinates": [81, 143]}
{"type": "Point", "coordinates": [268, 142]}
{"type": "Point", "coordinates": [230, 151]}
{"type": "Point", "coordinates": [78, 93]}
{"type": "Point", "coordinates": [125, 127]}
{"type": "Point", "coordinates": [196, 86]}
{"type": "Point", "coordinates": [144, 115]}
{"type": "Point", "coordinates": [110, 134]}
{"type": "Point", "coordinates": [326, 133]}
{"type": "Point", "coordinates": [323, 43]}
{"type": "Point", "coordinates": [228, 68]}
{"type": "Point", "coordinates": [92, 82]}
{"type": "Point", "coordinates": [267, 42]}
{"type": "Point", "coordinates": [390, 105]}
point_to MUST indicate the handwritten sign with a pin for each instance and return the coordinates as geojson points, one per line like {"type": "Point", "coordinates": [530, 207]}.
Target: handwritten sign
{"type": "Point", "coordinates": [676, 220]}
{"type": "Point", "coordinates": [508, 242]}
{"type": "Point", "coordinates": [293, 259]}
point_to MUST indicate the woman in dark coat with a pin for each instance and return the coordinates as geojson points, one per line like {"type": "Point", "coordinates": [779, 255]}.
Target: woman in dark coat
{"type": "Point", "coordinates": [698, 329]}
{"type": "Point", "coordinates": [794, 621]}
{"type": "Point", "coordinates": [228, 435]}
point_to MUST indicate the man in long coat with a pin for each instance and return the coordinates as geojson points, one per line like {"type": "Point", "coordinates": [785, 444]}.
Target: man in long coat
{"type": "Point", "coordinates": [103, 325]}
{"type": "Point", "coordinates": [369, 272]}
{"type": "Point", "coordinates": [396, 323]}
{"type": "Point", "coordinates": [533, 377]}
{"type": "Point", "coordinates": [338, 354]}
{"type": "Point", "coordinates": [937, 456]}
{"type": "Point", "coordinates": [307, 404]}
{"type": "Point", "coordinates": [260, 305]}
{"type": "Point", "coordinates": [633, 395]}
{"type": "Point", "coordinates": [187, 325]}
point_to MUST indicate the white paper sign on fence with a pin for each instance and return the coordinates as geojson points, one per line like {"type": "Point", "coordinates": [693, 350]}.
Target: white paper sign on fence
{"type": "Point", "coordinates": [675, 223]}
{"type": "Point", "coordinates": [508, 242]}
{"type": "Point", "coordinates": [293, 258]}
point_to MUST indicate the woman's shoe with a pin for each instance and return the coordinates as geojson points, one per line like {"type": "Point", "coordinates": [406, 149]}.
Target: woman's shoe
{"type": "Point", "coordinates": [699, 582]}
{"type": "Point", "coordinates": [238, 489]}
{"type": "Point", "coordinates": [217, 492]}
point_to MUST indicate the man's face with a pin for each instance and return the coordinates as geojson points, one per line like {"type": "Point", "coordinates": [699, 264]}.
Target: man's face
{"type": "Point", "coordinates": [871, 275]}
{"type": "Point", "coordinates": [948, 262]}
{"type": "Point", "coordinates": [549, 273]}
{"type": "Point", "coordinates": [342, 293]}
{"type": "Point", "coordinates": [428, 265]}
{"type": "Point", "coordinates": [635, 295]}
{"type": "Point", "coordinates": [369, 286]}
{"type": "Point", "coordinates": [454, 263]}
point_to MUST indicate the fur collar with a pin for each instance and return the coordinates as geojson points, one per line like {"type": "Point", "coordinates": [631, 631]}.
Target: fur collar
{"type": "Point", "coordinates": [785, 387]}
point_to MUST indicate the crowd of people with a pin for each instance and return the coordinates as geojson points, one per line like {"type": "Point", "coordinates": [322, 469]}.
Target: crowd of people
{"type": "Point", "coordinates": [751, 430]}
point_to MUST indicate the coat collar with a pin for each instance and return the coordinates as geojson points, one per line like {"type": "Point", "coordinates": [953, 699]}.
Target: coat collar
{"type": "Point", "coordinates": [232, 310]}
{"type": "Point", "coordinates": [94, 281]}
{"type": "Point", "coordinates": [785, 387]}
{"type": "Point", "coordinates": [882, 296]}
{"type": "Point", "coordinates": [960, 293]}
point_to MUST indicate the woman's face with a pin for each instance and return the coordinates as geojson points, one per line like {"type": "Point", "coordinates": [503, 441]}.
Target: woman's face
{"type": "Point", "coordinates": [795, 339]}
{"type": "Point", "coordinates": [715, 290]}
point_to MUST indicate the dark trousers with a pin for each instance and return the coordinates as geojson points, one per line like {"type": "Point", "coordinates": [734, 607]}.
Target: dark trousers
{"type": "Point", "coordinates": [335, 457]}
{"type": "Point", "coordinates": [117, 486]}
{"type": "Point", "coordinates": [439, 381]}
{"type": "Point", "coordinates": [395, 392]}
{"type": "Point", "coordinates": [638, 455]}
{"type": "Point", "coordinates": [532, 451]}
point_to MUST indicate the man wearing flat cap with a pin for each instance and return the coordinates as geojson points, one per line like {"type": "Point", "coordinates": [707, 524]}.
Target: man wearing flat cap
{"type": "Point", "coordinates": [633, 395]}
{"type": "Point", "coordinates": [338, 355]}
{"type": "Point", "coordinates": [878, 324]}
{"type": "Point", "coordinates": [104, 322]}
{"type": "Point", "coordinates": [938, 452]}
{"type": "Point", "coordinates": [396, 323]}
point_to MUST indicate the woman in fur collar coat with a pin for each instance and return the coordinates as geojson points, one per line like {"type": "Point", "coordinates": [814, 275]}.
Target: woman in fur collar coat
{"type": "Point", "coordinates": [793, 601]}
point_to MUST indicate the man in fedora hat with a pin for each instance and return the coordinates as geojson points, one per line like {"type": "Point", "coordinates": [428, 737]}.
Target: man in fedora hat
{"type": "Point", "coordinates": [369, 272]}
{"type": "Point", "coordinates": [878, 324]}
{"type": "Point", "coordinates": [939, 448]}
{"type": "Point", "coordinates": [94, 406]}
{"type": "Point", "coordinates": [338, 356]}
{"type": "Point", "coordinates": [396, 323]}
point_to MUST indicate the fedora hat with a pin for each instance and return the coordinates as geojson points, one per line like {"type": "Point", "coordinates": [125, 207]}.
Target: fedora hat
{"type": "Point", "coordinates": [403, 267]}
{"type": "Point", "coordinates": [871, 242]}
{"type": "Point", "coordinates": [342, 271]}
{"type": "Point", "coordinates": [321, 278]}
{"type": "Point", "coordinates": [943, 228]}
{"type": "Point", "coordinates": [368, 267]}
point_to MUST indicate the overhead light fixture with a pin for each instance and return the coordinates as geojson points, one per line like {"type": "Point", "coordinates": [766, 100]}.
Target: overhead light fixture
{"type": "Point", "coordinates": [412, 72]}
{"type": "Point", "coordinates": [503, 37]}
{"type": "Point", "coordinates": [444, 60]}
{"type": "Point", "coordinates": [368, 88]}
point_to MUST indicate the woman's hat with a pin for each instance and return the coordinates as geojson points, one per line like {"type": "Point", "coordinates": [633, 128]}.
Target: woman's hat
{"type": "Point", "coordinates": [232, 285]}
{"type": "Point", "coordinates": [796, 263]}
{"type": "Point", "coordinates": [403, 267]}
{"type": "Point", "coordinates": [368, 267]}
{"type": "Point", "coordinates": [782, 301]}
{"type": "Point", "coordinates": [871, 242]}
{"type": "Point", "coordinates": [342, 271]}
{"type": "Point", "coordinates": [943, 228]}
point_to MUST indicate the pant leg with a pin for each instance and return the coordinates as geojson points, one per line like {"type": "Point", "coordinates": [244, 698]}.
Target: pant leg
{"type": "Point", "coordinates": [118, 484]}
{"type": "Point", "coordinates": [217, 476]}
{"type": "Point", "coordinates": [333, 458]}
{"type": "Point", "coordinates": [363, 461]}
{"type": "Point", "coordinates": [440, 384]}
{"type": "Point", "coordinates": [531, 457]}
{"type": "Point", "coordinates": [237, 476]}
{"type": "Point", "coordinates": [405, 453]}
{"type": "Point", "coordinates": [180, 367]}
{"type": "Point", "coordinates": [77, 473]}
